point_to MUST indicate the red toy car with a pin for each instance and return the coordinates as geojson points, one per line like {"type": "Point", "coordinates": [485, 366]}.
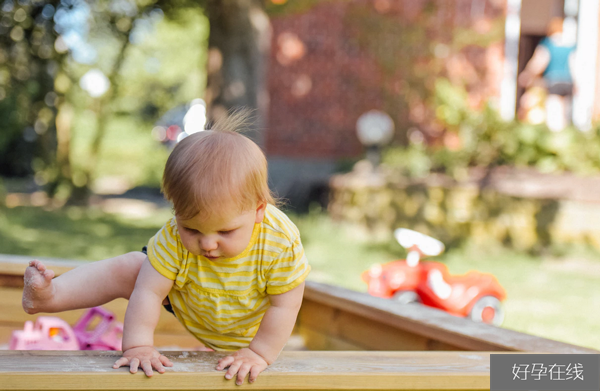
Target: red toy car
{"type": "Point", "coordinates": [475, 295]}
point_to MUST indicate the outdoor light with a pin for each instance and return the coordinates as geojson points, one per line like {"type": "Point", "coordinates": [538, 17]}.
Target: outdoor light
{"type": "Point", "coordinates": [180, 122]}
{"type": "Point", "coordinates": [374, 129]}
{"type": "Point", "coordinates": [195, 118]}
{"type": "Point", "coordinates": [95, 83]}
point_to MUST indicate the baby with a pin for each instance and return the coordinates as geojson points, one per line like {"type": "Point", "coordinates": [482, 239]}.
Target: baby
{"type": "Point", "coordinates": [229, 265]}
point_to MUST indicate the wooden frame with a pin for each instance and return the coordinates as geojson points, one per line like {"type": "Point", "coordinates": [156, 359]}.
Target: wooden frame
{"type": "Point", "coordinates": [331, 318]}
{"type": "Point", "coordinates": [47, 370]}
{"type": "Point", "coordinates": [337, 318]}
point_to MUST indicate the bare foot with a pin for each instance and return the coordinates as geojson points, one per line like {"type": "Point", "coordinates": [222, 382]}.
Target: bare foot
{"type": "Point", "coordinates": [38, 289]}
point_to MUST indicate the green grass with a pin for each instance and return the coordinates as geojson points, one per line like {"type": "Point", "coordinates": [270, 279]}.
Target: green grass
{"type": "Point", "coordinates": [550, 297]}
{"type": "Point", "coordinates": [74, 233]}
{"type": "Point", "coordinates": [556, 298]}
{"type": "Point", "coordinates": [128, 150]}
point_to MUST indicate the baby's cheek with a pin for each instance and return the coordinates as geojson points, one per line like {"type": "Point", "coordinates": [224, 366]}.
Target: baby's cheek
{"type": "Point", "coordinates": [233, 249]}
{"type": "Point", "coordinates": [189, 244]}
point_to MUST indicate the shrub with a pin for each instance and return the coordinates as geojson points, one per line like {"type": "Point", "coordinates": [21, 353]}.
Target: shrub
{"type": "Point", "coordinates": [482, 139]}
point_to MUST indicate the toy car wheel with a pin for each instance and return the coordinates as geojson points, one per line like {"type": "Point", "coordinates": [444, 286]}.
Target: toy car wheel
{"type": "Point", "coordinates": [488, 310]}
{"type": "Point", "coordinates": [406, 297]}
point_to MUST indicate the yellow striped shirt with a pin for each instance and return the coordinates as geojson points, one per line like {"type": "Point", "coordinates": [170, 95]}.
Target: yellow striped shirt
{"type": "Point", "coordinates": [223, 302]}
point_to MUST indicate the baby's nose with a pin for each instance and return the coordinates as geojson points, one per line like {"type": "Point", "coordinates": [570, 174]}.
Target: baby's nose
{"type": "Point", "coordinates": [208, 244]}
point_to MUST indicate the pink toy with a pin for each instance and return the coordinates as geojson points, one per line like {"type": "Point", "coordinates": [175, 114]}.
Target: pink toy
{"type": "Point", "coordinates": [107, 335]}
{"type": "Point", "coordinates": [48, 333]}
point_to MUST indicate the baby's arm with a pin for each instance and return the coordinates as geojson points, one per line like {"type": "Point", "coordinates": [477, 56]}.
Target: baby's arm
{"type": "Point", "coordinates": [273, 332]}
{"type": "Point", "coordinates": [141, 318]}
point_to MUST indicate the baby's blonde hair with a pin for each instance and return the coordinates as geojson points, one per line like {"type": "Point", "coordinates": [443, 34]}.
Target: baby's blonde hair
{"type": "Point", "coordinates": [210, 172]}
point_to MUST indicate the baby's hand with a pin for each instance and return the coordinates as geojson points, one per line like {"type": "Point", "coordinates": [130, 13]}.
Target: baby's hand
{"type": "Point", "coordinates": [143, 356]}
{"type": "Point", "coordinates": [242, 362]}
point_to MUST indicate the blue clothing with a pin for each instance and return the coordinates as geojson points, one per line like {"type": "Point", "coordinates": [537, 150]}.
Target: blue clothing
{"type": "Point", "coordinates": [557, 70]}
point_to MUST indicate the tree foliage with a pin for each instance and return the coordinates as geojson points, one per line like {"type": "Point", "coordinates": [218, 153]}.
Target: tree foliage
{"type": "Point", "coordinates": [46, 47]}
{"type": "Point", "coordinates": [480, 138]}
{"type": "Point", "coordinates": [28, 64]}
{"type": "Point", "coordinates": [153, 56]}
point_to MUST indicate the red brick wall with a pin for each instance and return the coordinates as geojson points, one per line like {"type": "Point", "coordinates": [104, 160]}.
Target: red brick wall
{"type": "Point", "coordinates": [340, 58]}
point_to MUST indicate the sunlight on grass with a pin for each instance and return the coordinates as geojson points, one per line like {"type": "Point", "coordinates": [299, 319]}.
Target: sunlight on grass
{"type": "Point", "coordinates": [548, 297]}
{"type": "Point", "coordinates": [336, 255]}
{"type": "Point", "coordinates": [74, 233]}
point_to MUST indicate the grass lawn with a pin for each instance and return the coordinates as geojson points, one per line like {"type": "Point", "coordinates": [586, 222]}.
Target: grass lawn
{"type": "Point", "coordinates": [74, 232]}
{"type": "Point", "coordinates": [549, 297]}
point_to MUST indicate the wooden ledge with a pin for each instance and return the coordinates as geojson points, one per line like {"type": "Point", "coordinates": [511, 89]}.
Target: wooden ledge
{"type": "Point", "coordinates": [16, 264]}
{"type": "Point", "coordinates": [92, 370]}
{"type": "Point", "coordinates": [443, 331]}
{"type": "Point", "coordinates": [12, 268]}
{"type": "Point", "coordinates": [331, 318]}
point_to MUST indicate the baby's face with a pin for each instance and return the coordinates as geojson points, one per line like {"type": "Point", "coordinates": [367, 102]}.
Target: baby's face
{"type": "Point", "coordinates": [219, 238]}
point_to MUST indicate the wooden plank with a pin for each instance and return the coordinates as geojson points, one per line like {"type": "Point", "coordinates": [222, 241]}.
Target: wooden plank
{"type": "Point", "coordinates": [356, 330]}
{"type": "Point", "coordinates": [161, 340]}
{"type": "Point", "coordinates": [16, 264]}
{"type": "Point", "coordinates": [12, 311]}
{"type": "Point", "coordinates": [30, 370]}
{"type": "Point", "coordinates": [352, 328]}
{"type": "Point", "coordinates": [327, 328]}
{"type": "Point", "coordinates": [5, 333]}
{"type": "Point", "coordinates": [176, 341]}
{"type": "Point", "coordinates": [430, 323]}
{"type": "Point", "coordinates": [11, 281]}
{"type": "Point", "coordinates": [347, 316]}
{"type": "Point", "coordinates": [315, 340]}
{"type": "Point", "coordinates": [318, 317]}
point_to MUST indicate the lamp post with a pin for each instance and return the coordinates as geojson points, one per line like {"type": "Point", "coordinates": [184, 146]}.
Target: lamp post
{"type": "Point", "coordinates": [374, 129]}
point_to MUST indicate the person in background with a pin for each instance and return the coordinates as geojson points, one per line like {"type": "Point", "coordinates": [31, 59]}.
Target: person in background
{"type": "Point", "coordinates": [553, 59]}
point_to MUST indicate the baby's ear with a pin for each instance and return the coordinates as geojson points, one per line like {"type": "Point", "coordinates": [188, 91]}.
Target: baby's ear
{"type": "Point", "coordinates": [260, 212]}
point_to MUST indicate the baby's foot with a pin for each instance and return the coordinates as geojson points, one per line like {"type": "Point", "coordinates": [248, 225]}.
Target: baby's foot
{"type": "Point", "coordinates": [38, 289]}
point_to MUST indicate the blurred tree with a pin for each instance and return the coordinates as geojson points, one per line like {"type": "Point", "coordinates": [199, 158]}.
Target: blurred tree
{"type": "Point", "coordinates": [28, 64]}
{"type": "Point", "coordinates": [113, 21]}
{"type": "Point", "coordinates": [238, 47]}
{"type": "Point", "coordinates": [50, 50]}
{"type": "Point", "coordinates": [45, 49]}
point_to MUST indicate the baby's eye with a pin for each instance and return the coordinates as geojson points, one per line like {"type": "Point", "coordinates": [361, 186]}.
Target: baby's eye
{"type": "Point", "coordinates": [191, 230]}
{"type": "Point", "coordinates": [226, 232]}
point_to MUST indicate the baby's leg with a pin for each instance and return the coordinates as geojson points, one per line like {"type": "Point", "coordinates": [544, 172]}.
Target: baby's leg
{"type": "Point", "coordinates": [85, 286]}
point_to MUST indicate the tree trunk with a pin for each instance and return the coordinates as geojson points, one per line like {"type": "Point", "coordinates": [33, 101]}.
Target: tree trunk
{"type": "Point", "coordinates": [62, 163]}
{"type": "Point", "coordinates": [238, 48]}
{"type": "Point", "coordinates": [103, 110]}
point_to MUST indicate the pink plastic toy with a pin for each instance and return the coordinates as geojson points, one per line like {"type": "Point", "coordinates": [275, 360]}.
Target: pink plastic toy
{"type": "Point", "coordinates": [107, 335]}
{"type": "Point", "coordinates": [48, 333]}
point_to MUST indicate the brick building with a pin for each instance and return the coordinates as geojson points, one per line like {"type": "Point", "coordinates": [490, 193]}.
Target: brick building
{"type": "Point", "coordinates": [333, 60]}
